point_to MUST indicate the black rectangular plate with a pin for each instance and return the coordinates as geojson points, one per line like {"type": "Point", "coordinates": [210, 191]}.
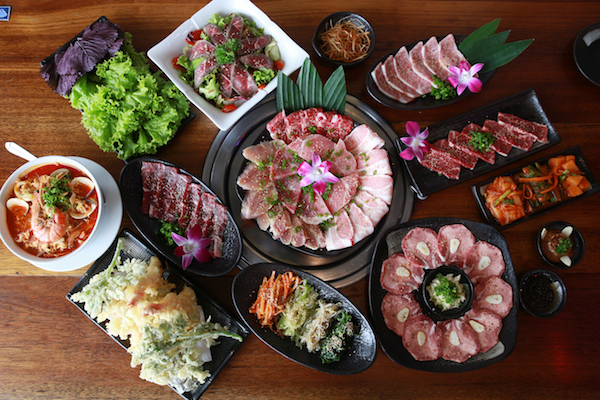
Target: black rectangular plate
{"type": "Point", "coordinates": [524, 104]}
{"type": "Point", "coordinates": [581, 163]}
{"type": "Point", "coordinates": [133, 247]}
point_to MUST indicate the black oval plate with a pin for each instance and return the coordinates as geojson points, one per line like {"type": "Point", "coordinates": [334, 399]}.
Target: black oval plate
{"type": "Point", "coordinates": [359, 356]}
{"type": "Point", "coordinates": [134, 247]}
{"type": "Point", "coordinates": [421, 103]}
{"type": "Point", "coordinates": [130, 183]}
{"type": "Point", "coordinates": [224, 162]}
{"type": "Point", "coordinates": [581, 163]}
{"type": "Point", "coordinates": [391, 343]}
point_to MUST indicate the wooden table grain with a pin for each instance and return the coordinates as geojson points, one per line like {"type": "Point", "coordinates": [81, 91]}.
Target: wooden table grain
{"type": "Point", "coordinates": [49, 350]}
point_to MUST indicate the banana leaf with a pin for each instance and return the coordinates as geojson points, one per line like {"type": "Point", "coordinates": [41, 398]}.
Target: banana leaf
{"type": "Point", "coordinates": [479, 34]}
{"type": "Point", "coordinates": [486, 43]}
{"type": "Point", "coordinates": [334, 91]}
{"type": "Point", "coordinates": [310, 85]}
{"type": "Point", "coordinates": [500, 55]}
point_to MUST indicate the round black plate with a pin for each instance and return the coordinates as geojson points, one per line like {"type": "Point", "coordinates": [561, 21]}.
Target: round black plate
{"type": "Point", "coordinates": [391, 343]}
{"type": "Point", "coordinates": [359, 355]}
{"type": "Point", "coordinates": [587, 57]}
{"type": "Point", "coordinates": [224, 162]}
{"type": "Point", "coordinates": [421, 103]}
{"type": "Point", "coordinates": [576, 237]}
{"type": "Point", "coordinates": [130, 184]}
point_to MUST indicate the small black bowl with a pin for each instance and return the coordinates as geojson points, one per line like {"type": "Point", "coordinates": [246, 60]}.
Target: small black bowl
{"type": "Point", "coordinates": [576, 237]}
{"type": "Point", "coordinates": [430, 308]}
{"type": "Point", "coordinates": [329, 22]}
{"type": "Point", "coordinates": [542, 293]}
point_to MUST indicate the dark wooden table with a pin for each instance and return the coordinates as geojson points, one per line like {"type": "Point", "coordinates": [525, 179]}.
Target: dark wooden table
{"type": "Point", "coordinates": [49, 350]}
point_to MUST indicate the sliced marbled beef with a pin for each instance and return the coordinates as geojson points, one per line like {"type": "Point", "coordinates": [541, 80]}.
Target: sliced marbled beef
{"type": "Point", "coordinates": [431, 57]}
{"type": "Point", "coordinates": [449, 53]}
{"type": "Point", "coordinates": [420, 247]}
{"type": "Point", "coordinates": [463, 142]}
{"type": "Point", "coordinates": [363, 139]}
{"type": "Point", "coordinates": [495, 295]}
{"type": "Point", "coordinates": [384, 86]}
{"type": "Point", "coordinates": [373, 207]}
{"type": "Point", "coordinates": [457, 154]}
{"type": "Point", "coordinates": [190, 202]}
{"type": "Point", "coordinates": [204, 69]}
{"type": "Point", "coordinates": [253, 44]}
{"type": "Point", "coordinates": [540, 131]}
{"type": "Point", "coordinates": [226, 79]}
{"type": "Point", "coordinates": [397, 309]}
{"type": "Point", "coordinates": [455, 242]}
{"type": "Point", "coordinates": [374, 162]}
{"type": "Point", "coordinates": [399, 275]}
{"type": "Point", "coordinates": [243, 82]}
{"type": "Point", "coordinates": [341, 233]}
{"type": "Point", "coordinates": [257, 61]}
{"type": "Point", "coordinates": [393, 77]}
{"type": "Point", "coordinates": [512, 137]}
{"type": "Point", "coordinates": [422, 338]}
{"type": "Point", "coordinates": [201, 48]}
{"type": "Point", "coordinates": [235, 27]}
{"type": "Point", "coordinates": [418, 63]}
{"type": "Point", "coordinates": [484, 261]}
{"type": "Point", "coordinates": [335, 126]}
{"type": "Point", "coordinates": [499, 145]}
{"type": "Point", "coordinates": [148, 172]}
{"type": "Point", "coordinates": [459, 340]}
{"type": "Point", "coordinates": [362, 225]}
{"type": "Point", "coordinates": [441, 162]}
{"type": "Point", "coordinates": [216, 35]}
{"type": "Point", "coordinates": [278, 126]}
{"type": "Point", "coordinates": [405, 70]}
{"type": "Point", "coordinates": [487, 325]}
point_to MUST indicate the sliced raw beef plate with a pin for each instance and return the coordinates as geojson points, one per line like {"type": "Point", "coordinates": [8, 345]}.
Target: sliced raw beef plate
{"type": "Point", "coordinates": [459, 340]}
{"type": "Point", "coordinates": [171, 196]}
{"type": "Point", "coordinates": [397, 309]}
{"type": "Point", "coordinates": [400, 276]}
{"type": "Point", "coordinates": [420, 247]}
{"type": "Point", "coordinates": [494, 295]}
{"type": "Point", "coordinates": [461, 157]}
{"type": "Point", "coordinates": [422, 338]}
{"type": "Point", "coordinates": [463, 142]}
{"type": "Point", "coordinates": [513, 138]}
{"type": "Point", "coordinates": [487, 325]}
{"type": "Point", "coordinates": [454, 244]}
{"type": "Point", "coordinates": [540, 131]}
{"type": "Point", "coordinates": [484, 261]}
{"type": "Point", "coordinates": [441, 162]}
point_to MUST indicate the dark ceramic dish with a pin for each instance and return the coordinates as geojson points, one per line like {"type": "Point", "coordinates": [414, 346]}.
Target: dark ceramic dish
{"type": "Point", "coordinates": [390, 243]}
{"type": "Point", "coordinates": [429, 307]}
{"type": "Point", "coordinates": [224, 162]}
{"type": "Point", "coordinates": [359, 355]}
{"type": "Point", "coordinates": [130, 183]}
{"type": "Point", "coordinates": [524, 104]}
{"type": "Point", "coordinates": [133, 247]}
{"type": "Point", "coordinates": [542, 293]}
{"type": "Point", "coordinates": [581, 163]}
{"type": "Point", "coordinates": [586, 51]}
{"type": "Point", "coordinates": [330, 21]}
{"type": "Point", "coordinates": [576, 237]}
{"type": "Point", "coordinates": [421, 103]}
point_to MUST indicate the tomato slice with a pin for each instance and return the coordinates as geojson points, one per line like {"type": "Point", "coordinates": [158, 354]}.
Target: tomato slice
{"type": "Point", "coordinates": [193, 36]}
{"type": "Point", "coordinates": [175, 65]}
{"type": "Point", "coordinates": [279, 64]}
{"type": "Point", "coordinates": [227, 108]}
{"type": "Point", "coordinates": [262, 86]}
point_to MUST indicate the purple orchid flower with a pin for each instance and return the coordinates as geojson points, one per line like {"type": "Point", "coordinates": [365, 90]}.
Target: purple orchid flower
{"type": "Point", "coordinates": [318, 174]}
{"type": "Point", "coordinates": [417, 145]}
{"type": "Point", "coordinates": [462, 77]}
{"type": "Point", "coordinates": [194, 246]}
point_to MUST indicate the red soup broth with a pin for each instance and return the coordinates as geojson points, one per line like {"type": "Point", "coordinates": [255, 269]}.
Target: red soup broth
{"type": "Point", "coordinates": [20, 222]}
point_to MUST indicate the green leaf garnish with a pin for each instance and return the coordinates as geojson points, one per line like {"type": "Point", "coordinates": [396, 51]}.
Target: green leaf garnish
{"type": "Point", "coordinates": [479, 34]}
{"type": "Point", "coordinates": [487, 43]}
{"type": "Point", "coordinates": [310, 84]}
{"type": "Point", "coordinates": [334, 91]}
{"type": "Point", "coordinates": [501, 55]}
{"type": "Point", "coordinates": [481, 140]}
{"type": "Point", "coordinates": [289, 97]}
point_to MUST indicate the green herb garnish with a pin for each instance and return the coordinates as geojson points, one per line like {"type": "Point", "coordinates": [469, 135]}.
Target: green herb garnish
{"type": "Point", "coordinates": [442, 90]}
{"type": "Point", "coordinates": [481, 140]}
{"type": "Point", "coordinates": [167, 228]}
{"type": "Point", "coordinates": [564, 244]}
{"type": "Point", "coordinates": [57, 194]}
{"type": "Point", "coordinates": [225, 53]}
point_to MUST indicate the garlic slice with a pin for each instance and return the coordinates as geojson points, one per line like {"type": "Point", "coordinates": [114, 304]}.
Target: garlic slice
{"type": "Point", "coordinates": [423, 248]}
{"type": "Point", "coordinates": [566, 260]}
{"type": "Point", "coordinates": [454, 244]}
{"type": "Point", "coordinates": [567, 230]}
{"type": "Point", "coordinates": [421, 338]}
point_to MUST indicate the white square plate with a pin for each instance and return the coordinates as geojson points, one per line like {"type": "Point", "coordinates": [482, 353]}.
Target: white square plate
{"type": "Point", "coordinates": [172, 46]}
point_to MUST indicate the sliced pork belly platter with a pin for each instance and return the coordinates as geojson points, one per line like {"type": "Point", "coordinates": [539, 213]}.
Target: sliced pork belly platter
{"type": "Point", "coordinates": [457, 339]}
{"type": "Point", "coordinates": [348, 211]}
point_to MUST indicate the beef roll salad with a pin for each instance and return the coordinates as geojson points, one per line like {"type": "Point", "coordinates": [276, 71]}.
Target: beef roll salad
{"type": "Point", "coordinates": [228, 60]}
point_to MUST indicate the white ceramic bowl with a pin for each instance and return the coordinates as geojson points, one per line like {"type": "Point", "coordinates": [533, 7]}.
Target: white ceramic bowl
{"type": "Point", "coordinates": [172, 46]}
{"type": "Point", "coordinates": [52, 264]}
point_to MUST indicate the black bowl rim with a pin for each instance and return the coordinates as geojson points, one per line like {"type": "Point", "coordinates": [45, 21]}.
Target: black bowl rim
{"type": "Point", "coordinates": [578, 238]}
{"type": "Point", "coordinates": [555, 278]}
{"type": "Point", "coordinates": [334, 17]}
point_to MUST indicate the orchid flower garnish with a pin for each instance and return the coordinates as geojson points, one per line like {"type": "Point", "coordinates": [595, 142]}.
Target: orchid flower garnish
{"type": "Point", "coordinates": [318, 174]}
{"type": "Point", "coordinates": [417, 145]}
{"type": "Point", "coordinates": [462, 77]}
{"type": "Point", "coordinates": [194, 246]}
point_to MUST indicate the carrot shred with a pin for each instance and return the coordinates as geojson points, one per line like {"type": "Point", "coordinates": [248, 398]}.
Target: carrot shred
{"type": "Point", "coordinates": [536, 179]}
{"type": "Point", "coordinates": [527, 192]}
{"type": "Point", "coordinates": [272, 295]}
{"type": "Point", "coordinates": [554, 184]}
{"type": "Point", "coordinates": [346, 41]}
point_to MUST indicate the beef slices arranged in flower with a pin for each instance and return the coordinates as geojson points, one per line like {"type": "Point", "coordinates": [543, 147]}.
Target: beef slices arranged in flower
{"type": "Point", "coordinates": [357, 194]}
{"type": "Point", "coordinates": [495, 295]}
{"type": "Point", "coordinates": [171, 196]}
{"type": "Point", "coordinates": [397, 309]}
{"type": "Point", "coordinates": [476, 143]}
{"type": "Point", "coordinates": [402, 275]}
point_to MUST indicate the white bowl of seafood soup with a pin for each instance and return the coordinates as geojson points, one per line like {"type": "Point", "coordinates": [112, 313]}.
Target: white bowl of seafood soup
{"type": "Point", "coordinates": [85, 221]}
